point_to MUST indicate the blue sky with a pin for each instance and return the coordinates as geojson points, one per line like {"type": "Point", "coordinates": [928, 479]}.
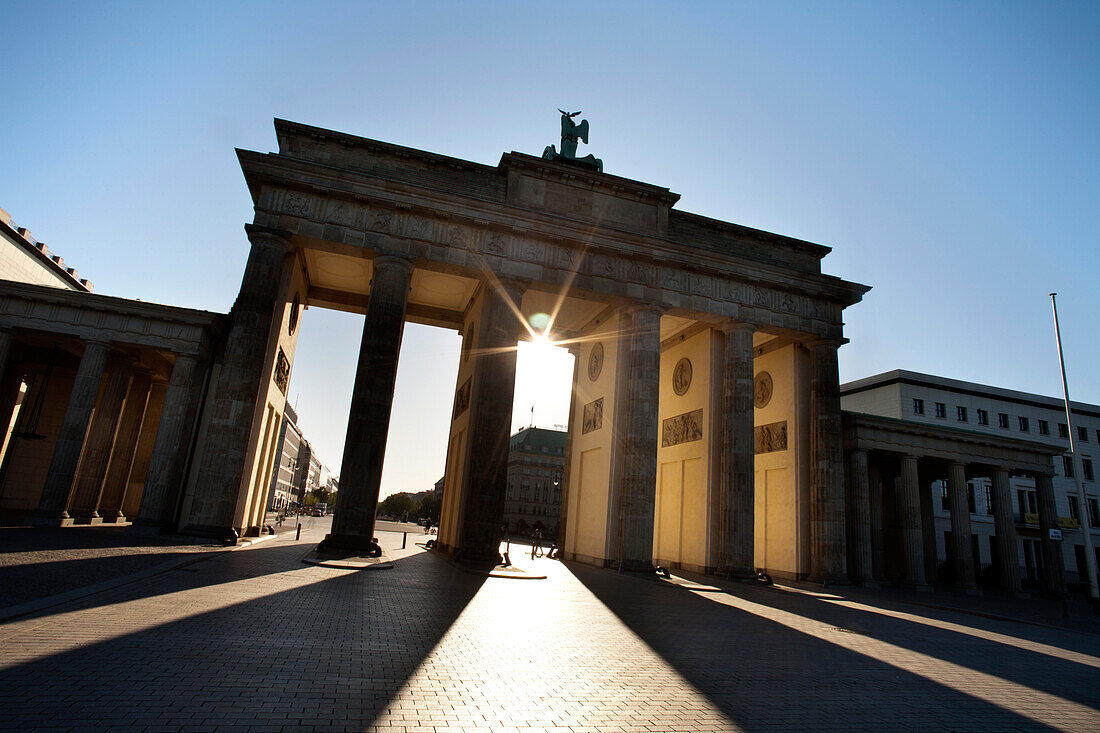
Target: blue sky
{"type": "Point", "coordinates": [948, 152]}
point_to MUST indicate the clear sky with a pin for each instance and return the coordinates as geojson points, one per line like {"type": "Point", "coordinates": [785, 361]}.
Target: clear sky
{"type": "Point", "coordinates": [948, 152]}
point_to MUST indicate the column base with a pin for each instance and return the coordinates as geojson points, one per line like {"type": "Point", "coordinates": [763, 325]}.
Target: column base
{"type": "Point", "coordinates": [367, 546]}
{"type": "Point", "coordinates": [636, 566]}
{"type": "Point", "coordinates": [225, 534]}
{"type": "Point", "coordinates": [48, 521]}
{"type": "Point", "coordinates": [88, 520]}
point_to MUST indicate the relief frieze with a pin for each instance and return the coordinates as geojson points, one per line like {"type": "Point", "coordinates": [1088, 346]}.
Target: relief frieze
{"type": "Point", "coordinates": [685, 428]}
{"type": "Point", "coordinates": [462, 399]}
{"type": "Point", "coordinates": [282, 372]}
{"type": "Point", "coordinates": [593, 416]}
{"type": "Point", "coordinates": [770, 438]}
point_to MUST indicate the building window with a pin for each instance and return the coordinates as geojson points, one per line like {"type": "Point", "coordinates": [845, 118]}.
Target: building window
{"type": "Point", "coordinates": [1067, 466]}
{"type": "Point", "coordinates": [960, 413]}
{"type": "Point", "coordinates": [989, 499]}
{"type": "Point", "coordinates": [1063, 430]}
{"type": "Point", "coordinates": [944, 502]}
{"type": "Point", "coordinates": [1098, 435]}
{"type": "Point", "coordinates": [1074, 509]}
{"type": "Point", "coordinates": [970, 497]}
{"type": "Point", "coordinates": [1094, 512]}
{"type": "Point", "coordinates": [918, 407]}
{"type": "Point", "coordinates": [983, 417]}
{"type": "Point", "coordinates": [941, 409]}
{"type": "Point", "coordinates": [1002, 420]}
{"type": "Point", "coordinates": [1086, 469]}
{"type": "Point", "coordinates": [1044, 427]}
{"type": "Point", "coordinates": [1082, 434]}
{"type": "Point", "coordinates": [1025, 427]}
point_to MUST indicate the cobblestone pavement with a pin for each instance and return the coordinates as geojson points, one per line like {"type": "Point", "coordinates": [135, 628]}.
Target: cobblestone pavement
{"type": "Point", "coordinates": [256, 640]}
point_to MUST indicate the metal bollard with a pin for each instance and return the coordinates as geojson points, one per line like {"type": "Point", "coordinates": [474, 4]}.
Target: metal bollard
{"type": "Point", "coordinates": [404, 539]}
{"type": "Point", "coordinates": [298, 534]}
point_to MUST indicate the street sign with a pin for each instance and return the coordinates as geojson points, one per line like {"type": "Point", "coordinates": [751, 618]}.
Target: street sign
{"type": "Point", "coordinates": [1055, 533]}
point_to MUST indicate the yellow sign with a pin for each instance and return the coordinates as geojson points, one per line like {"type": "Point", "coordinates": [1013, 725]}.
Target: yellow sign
{"type": "Point", "coordinates": [1030, 518]}
{"type": "Point", "coordinates": [1067, 522]}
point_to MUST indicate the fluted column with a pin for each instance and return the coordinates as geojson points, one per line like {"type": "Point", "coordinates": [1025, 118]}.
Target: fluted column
{"type": "Point", "coordinates": [88, 486]}
{"type": "Point", "coordinates": [827, 552]}
{"type": "Point", "coordinates": [162, 483]}
{"type": "Point", "coordinates": [912, 534]}
{"type": "Point", "coordinates": [1005, 523]}
{"type": "Point", "coordinates": [6, 341]}
{"type": "Point", "coordinates": [860, 531]}
{"type": "Point", "coordinates": [639, 482]}
{"type": "Point", "coordinates": [70, 438]}
{"type": "Point", "coordinates": [737, 548]}
{"type": "Point", "coordinates": [122, 459]}
{"type": "Point", "coordinates": [490, 423]}
{"type": "Point", "coordinates": [962, 556]}
{"type": "Point", "coordinates": [371, 403]}
{"type": "Point", "coordinates": [878, 533]}
{"type": "Point", "coordinates": [223, 461]}
{"type": "Point", "coordinates": [571, 433]}
{"type": "Point", "coordinates": [1053, 578]}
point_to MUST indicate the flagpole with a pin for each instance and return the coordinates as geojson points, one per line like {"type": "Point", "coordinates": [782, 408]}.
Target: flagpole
{"type": "Point", "coordinates": [1082, 506]}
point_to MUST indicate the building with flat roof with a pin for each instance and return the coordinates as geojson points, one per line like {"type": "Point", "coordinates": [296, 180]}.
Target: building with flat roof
{"type": "Point", "coordinates": [536, 460]}
{"type": "Point", "coordinates": [906, 431]}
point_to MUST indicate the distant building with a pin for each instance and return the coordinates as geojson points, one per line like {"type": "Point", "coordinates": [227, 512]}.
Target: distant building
{"type": "Point", "coordinates": [298, 469]}
{"type": "Point", "coordinates": [935, 423]}
{"type": "Point", "coordinates": [536, 461]}
{"type": "Point", "coordinates": [24, 259]}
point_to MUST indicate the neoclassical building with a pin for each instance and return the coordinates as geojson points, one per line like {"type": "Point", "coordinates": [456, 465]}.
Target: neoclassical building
{"type": "Point", "coordinates": [99, 396]}
{"type": "Point", "coordinates": [705, 429]}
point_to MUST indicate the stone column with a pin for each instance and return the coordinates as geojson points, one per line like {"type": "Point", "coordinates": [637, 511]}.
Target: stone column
{"type": "Point", "coordinates": [571, 432]}
{"type": "Point", "coordinates": [827, 552]}
{"type": "Point", "coordinates": [1006, 531]}
{"type": "Point", "coordinates": [639, 483]}
{"type": "Point", "coordinates": [162, 483]}
{"type": "Point", "coordinates": [962, 557]}
{"type": "Point", "coordinates": [129, 428]}
{"type": "Point", "coordinates": [878, 534]}
{"type": "Point", "coordinates": [912, 534]}
{"type": "Point", "coordinates": [371, 402]}
{"type": "Point", "coordinates": [490, 424]}
{"type": "Point", "coordinates": [229, 425]}
{"type": "Point", "coordinates": [88, 486]}
{"type": "Point", "coordinates": [1054, 569]}
{"type": "Point", "coordinates": [860, 517]}
{"type": "Point", "coordinates": [70, 438]}
{"type": "Point", "coordinates": [6, 342]}
{"type": "Point", "coordinates": [737, 547]}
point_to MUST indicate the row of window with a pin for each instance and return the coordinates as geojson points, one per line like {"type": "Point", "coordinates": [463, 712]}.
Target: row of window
{"type": "Point", "coordinates": [1086, 468]}
{"type": "Point", "coordinates": [1024, 423]}
{"type": "Point", "coordinates": [1026, 502]}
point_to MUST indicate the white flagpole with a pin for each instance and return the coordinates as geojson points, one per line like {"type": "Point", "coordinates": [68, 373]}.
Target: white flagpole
{"type": "Point", "coordinates": [1078, 467]}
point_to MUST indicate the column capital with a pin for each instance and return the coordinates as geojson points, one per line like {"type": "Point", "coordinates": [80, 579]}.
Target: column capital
{"type": "Point", "coordinates": [268, 236]}
{"type": "Point", "coordinates": [639, 307]}
{"type": "Point", "coordinates": [386, 259]}
{"type": "Point", "coordinates": [822, 343]}
{"type": "Point", "coordinates": [731, 326]}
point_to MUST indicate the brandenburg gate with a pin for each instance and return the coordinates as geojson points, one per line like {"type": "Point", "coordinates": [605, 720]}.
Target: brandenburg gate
{"type": "Point", "coordinates": [705, 427]}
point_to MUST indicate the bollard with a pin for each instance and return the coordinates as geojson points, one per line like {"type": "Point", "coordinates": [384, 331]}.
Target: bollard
{"type": "Point", "coordinates": [298, 534]}
{"type": "Point", "coordinates": [404, 539]}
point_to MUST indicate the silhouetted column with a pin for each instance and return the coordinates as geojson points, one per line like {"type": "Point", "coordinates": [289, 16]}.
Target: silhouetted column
{"type": "Point", "coordinates": [912, 535]}
{"type": "Point", "coordinates": [162, 483]}
{"type": "Point", "coordinates": [490, 423]}
{"type": "Point", "coordinates": [860, 531]}
{"type": "Point", "coordinates": [223, 461]}
{"type": "Point", "coordinates": [70, 438]}
{"type": "Point", "coordinates": [6, 341]}
{"type": "Point", "coordinates": [101, 442]}
{"type": "Point", "coordinates": [1054, 568]}
{"type": "Point", "coordinates": [1005, 523]}
{"type": "Point", "coordinates": [571, 432]}
{"type": "Point", "coordinates": [122, 459]}
{"type": "Point", "coordinates": [828, 559]}
{"type": "Point", "coordinates": [737, 549]}
{"type": "Point", "coordinates": [636, 502]}
{"type": "Point", "coordinates": [371, 402]}
{"type": "Point", "coordinates": [962, 556]}
{"type": "Point", "coordinates": [878, 537]}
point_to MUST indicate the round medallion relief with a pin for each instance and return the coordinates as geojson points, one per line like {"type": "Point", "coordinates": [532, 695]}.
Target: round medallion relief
{"type": "Point", "coordinates": [681, 376]}
{"type": "Point", "coordinates": [762, 389]}
{"type": "Point", "coordinates": [595, 363]}
{"type": "Point", "coordinates": [292, 322]}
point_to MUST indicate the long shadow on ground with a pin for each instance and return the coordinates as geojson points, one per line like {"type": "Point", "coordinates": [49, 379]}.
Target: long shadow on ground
{"type": "Point", "coordinates": [321, 652]}
{"type": "Point", "coordinates": [763, 673]}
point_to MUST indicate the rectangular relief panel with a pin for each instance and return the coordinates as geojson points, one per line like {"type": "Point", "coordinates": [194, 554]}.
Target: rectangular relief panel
{"type": "Point", "coordinates": [669, 505]}
{"type": "Point", "coordinates": [590, 505]}
{"type": "Point", "coordinates": [770, 438]}
{"type": "Point", "coordinates": [685, 428]}
{"type": "Point", "coordinates": [593, 416]}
